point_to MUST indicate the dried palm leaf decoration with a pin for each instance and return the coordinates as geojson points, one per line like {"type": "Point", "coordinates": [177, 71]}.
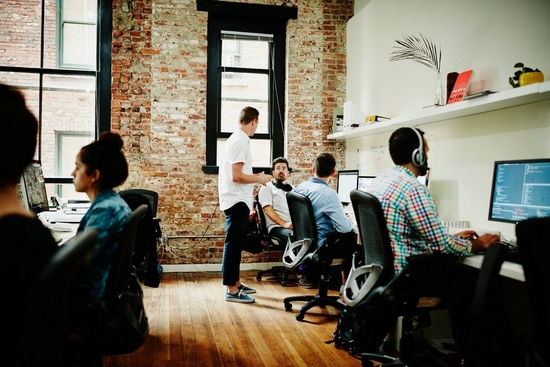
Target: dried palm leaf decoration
{"type": "Point", "coordinates": [418, 49]}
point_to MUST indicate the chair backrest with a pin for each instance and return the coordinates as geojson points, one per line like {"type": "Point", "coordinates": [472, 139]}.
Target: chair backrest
{"type": "Point", "coordinates": [373, 230]}
{"type": "Point", "coordinates": [375, 265]}
{"type": "Point", "coordinates": [304, 240]}
{"type": "Point", "coordinates": [273, 242]}
{"type": "Point", "coordinates": [490, 328]}
{"type": "Point", "coordinates": [534, 254]}
{"type": "Point", "coordinates": [263, 226]}
{"type": "Point", "coordinates": [302, 217]}
{"type": "Point", "coordinates": [121, 267]}
{"type": "Point", "coordinates": [153, 197]}
{"type": "Point", "coordinates": [47, 313]}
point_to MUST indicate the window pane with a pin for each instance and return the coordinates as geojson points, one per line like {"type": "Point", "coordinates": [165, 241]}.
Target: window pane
{"type": "Point", "coordinates": [20, 41]}
{"type": "Point", "coordinates": [260, 150]}
{"type": "Point", "coordinates": [240, 90]}
{"type": "Point", "coordinates": [79, 45]}
{"type": "Point", "coordinates": [68, 106]}
{"type": "Point", "coordinates": [245, 54]}
{"type": "Point", "coordinates": [81, 10]}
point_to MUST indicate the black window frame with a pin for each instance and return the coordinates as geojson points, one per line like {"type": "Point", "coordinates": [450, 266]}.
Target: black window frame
{"type": "Point", "coordinates": [102, 73]}
{"type": "Point", "coordinates": [250, 18]}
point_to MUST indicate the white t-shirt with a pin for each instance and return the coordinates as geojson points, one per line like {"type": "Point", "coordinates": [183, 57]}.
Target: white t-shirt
{"type": "Point", "coordinates": [271, 195]}
{"type": "Point", "coordinates": [237, 149]}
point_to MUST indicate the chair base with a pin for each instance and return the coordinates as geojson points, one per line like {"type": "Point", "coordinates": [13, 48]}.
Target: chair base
{"type": "Point", "coordinates": [312, 301]}
{"type": "Point", "coordinates": [275, 271]}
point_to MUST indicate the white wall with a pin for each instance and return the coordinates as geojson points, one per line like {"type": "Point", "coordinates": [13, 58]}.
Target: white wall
{"type": "Point", "coordinates": [486, 36]}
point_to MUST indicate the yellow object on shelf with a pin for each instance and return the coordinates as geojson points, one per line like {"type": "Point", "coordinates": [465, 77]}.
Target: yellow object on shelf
{"type": "Point", "coordinates": [531, 78]}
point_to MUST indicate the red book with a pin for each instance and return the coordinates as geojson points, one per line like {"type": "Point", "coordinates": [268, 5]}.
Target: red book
{"type": "Point", "coordinates": [460, 87]}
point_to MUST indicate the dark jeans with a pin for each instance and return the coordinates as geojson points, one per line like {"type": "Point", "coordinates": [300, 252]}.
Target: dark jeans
{"type": "Point", "coordinates": [236, 225]}
{"type": "Point", "coordinates": [282, 234]}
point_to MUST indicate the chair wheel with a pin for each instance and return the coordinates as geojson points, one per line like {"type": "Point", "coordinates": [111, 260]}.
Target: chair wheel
{"type": "Point", "coordinates": [283, 283]}
{"type": "Point", "coordinates": [288, 306]}
{"type": "Point", "coordinates": [299, 317]}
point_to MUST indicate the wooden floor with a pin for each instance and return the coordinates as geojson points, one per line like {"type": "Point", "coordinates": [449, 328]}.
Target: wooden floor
{"type": "Point", "coordinates": [192, 325]}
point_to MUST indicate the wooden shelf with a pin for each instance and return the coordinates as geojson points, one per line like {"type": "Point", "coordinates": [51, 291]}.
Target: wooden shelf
{"type": "Point", "coordinates": [491, 102]}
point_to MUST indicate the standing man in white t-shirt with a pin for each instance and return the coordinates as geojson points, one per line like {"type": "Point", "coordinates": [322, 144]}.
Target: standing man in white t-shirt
{"type": "Point", "coordinates": [235, 188]}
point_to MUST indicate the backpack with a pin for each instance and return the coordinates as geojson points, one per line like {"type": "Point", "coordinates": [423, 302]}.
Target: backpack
{"type": "Point", "coordinates": [351, 330]}
{"type": "Point", "coordinates": [253, 242]}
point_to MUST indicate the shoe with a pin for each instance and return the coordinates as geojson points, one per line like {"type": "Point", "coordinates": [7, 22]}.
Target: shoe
{"type": "Point", "coordinates": [239, 297]}
{"type": "Point", "coordinates": [304, 282]}
{"type": "Point", "coordinates": [246, 289]}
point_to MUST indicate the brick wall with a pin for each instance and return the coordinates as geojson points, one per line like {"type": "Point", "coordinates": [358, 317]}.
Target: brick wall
{"type": "Point", "coordinates": [159, 104]}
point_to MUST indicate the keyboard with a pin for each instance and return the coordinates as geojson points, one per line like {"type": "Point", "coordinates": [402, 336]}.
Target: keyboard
{"type": "Point", "coordinates": [61, 227]}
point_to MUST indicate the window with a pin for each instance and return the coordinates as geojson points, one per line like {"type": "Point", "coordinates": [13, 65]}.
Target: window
{"type": "Point", "coordinates": [50, 54]}
{"type": "Point", "coordinates": [77, 33]}
{"type": "Point", "coordinates": [246, 67]}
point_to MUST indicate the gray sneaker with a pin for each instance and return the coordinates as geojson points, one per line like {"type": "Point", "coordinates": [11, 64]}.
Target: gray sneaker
{"type": "Point", "coordinates": [239, 297]}
{"type": "Point", "coordinates": [246, 289]}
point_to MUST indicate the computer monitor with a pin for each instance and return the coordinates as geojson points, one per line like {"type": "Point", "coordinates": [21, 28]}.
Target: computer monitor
{"type": "Point", "coordinates": [520, 190]}
{"type": "Point", "coordinates": [347, 181]}
{"type": "Point", "coordinates": [34, 188]}
{"type": "Point", "coordinates": [363, 182]}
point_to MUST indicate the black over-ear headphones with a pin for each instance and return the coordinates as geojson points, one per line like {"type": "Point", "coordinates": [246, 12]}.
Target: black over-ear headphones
{"type": "Point", "coordinates": [418, 158]}
{"type": "Point", "coordinates": [284, 187]}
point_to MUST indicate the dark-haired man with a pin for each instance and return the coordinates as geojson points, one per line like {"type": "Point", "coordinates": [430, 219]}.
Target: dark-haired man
{"type": "Point", "coordinates": [272, 198]}
{"type": "Point", "coordinates": [327, 207]}
{"type": "Point", "coordinates": [415, 228]}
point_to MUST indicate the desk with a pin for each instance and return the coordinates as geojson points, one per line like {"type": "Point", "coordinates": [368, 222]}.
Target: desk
{"type": "Point", "coordinates": [508, 269]}
{"type": "Point", "coordinates": [63, 236]}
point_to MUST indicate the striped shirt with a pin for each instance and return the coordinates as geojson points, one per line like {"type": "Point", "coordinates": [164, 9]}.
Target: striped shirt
{"type": "Point", "coordinates": [411, 217]}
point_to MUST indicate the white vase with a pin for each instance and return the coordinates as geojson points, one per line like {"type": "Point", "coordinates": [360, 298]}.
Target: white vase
{"type": "Point", "coordinates": [439, 97]}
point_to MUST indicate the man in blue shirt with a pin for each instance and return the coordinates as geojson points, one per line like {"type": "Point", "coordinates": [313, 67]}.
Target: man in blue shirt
{"type": "Point", "coordinates": [327, 208]}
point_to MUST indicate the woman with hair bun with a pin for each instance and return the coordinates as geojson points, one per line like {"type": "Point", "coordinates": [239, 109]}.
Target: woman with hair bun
{"type": "Point", "coordinates": [99, 167]}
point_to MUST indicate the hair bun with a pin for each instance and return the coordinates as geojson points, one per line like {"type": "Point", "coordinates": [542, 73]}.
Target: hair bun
{"type": "Point", "coordinates": [111, 140]}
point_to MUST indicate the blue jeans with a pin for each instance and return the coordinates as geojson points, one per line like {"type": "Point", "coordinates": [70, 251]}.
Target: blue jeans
{"type": "Point", "coordinates": [236, 225]}
{"type": "Point", "coordinates": [282, 234]}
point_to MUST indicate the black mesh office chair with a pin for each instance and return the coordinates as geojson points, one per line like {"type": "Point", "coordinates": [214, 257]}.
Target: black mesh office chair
{"type": "Point", "coordinates": [145, 261]}
{"type": "Point", "coordinates": [46, 321]}
{"type": "Point", "coordinates": [370, 283]}
{"type": "Point", "coordinates": [491, 331]}
{"type": "Point", "coordinates": [273, 243]}
{"type": "Point", "coordinates": [118, 324]}
{"type": "Point", "coordinates": [153, 198]}
{"type": "Point", "coordinates": [534, 254]}
{"type": "Point", "coordinates": [303, 255]}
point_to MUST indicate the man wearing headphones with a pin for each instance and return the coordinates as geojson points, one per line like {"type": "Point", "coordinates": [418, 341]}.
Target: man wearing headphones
{"type": "Point", "coordinates": [272, 198]}
{"type": "Point", "coordinates": [410, 211]}
{"type": "Point", "coordinates": [415, 228]}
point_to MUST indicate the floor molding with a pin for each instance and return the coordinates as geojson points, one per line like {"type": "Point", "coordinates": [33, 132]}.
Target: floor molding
{"type": "Point", "coordinates": [190, 268]}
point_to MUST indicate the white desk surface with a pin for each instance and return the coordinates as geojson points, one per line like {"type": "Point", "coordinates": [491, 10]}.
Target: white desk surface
{"type": "Point", "coordinates": [62, 236]}
{"type": "Point", "coordinates": [508, 269]}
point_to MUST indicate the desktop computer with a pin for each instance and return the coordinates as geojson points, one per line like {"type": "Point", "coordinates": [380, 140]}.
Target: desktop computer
{"type": "Point", "coordinates": [347, 181]}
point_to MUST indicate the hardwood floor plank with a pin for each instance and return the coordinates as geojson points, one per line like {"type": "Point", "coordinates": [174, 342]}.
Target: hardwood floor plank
{"type": "Point", "coordinates": [192, 325]}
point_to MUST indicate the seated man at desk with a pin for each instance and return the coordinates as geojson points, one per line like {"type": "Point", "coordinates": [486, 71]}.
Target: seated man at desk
{"type": "Point", "coordinates": [272, 198]}
{"type": "Point", "coordinates": [327, 207]}
{"type": "Point", "coordinates": [415, 228]}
